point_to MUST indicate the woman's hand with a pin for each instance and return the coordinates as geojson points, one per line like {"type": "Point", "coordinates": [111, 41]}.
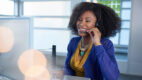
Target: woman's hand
{"type": "Point", "coordinates": [95, 35]}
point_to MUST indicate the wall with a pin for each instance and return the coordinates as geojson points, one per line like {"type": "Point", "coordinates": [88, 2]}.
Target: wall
{"type": "Point", "coordinates": [134, 64]}
{"type": "Point", "coordinates": [135, 47]}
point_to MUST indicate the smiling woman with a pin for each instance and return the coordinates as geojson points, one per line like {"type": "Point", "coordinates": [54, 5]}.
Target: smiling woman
{"type": "Point", "coordinates": [91, 54]}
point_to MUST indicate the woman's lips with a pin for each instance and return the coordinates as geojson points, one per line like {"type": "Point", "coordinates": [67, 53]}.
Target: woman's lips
{"type": "Point", "coordinates": [82, 30]}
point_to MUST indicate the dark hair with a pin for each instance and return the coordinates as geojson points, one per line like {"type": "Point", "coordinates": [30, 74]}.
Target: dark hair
{"type": "Point", "coordinates": [108, 21]}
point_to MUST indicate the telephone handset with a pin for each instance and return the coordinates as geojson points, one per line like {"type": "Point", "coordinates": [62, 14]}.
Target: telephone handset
{"type": "Point", "coordinates": [97, 24]}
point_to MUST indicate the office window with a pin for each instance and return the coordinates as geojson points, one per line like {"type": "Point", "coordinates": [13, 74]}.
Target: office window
{"type": "Point", "coordinates": [48, 8]}
{"type": "Point", "coordinates": [125, 14]}
{"type": "Point", "coordinates": [6, 7]}
{"type": "Point", "coordinates": [44, 39]}
{"type": "Point", "coordinates": [114, 4]}
{"type": "Point", "coordinates": [49, 20]}
{"type": "Point", "coordinates": [124, 40]}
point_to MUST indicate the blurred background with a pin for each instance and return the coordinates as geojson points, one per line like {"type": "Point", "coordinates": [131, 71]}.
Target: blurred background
{"type": "Point", "coordinates": [40, 27]}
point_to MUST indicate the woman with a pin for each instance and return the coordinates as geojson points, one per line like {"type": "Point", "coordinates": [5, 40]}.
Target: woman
{"type": "Point", "coordinates": [91, 54]}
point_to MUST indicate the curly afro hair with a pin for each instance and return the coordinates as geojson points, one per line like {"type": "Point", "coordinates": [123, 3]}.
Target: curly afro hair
{"type": "Point", "coordinates": [108, 22]}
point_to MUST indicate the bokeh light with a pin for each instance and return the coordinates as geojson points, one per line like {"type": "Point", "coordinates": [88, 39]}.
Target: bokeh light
{"type": "Point", "coordinates": [43, 76]}
{"type": "Point", "coordinates": [34, 71]}
{"type": "Point", "coordinates": [6, 39]}
{"type": "Point", "coordinates": [32, 63]}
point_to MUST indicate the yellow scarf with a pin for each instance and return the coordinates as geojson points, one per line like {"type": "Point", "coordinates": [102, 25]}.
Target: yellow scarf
{"type": "Point", "coordinates": [77, 63]}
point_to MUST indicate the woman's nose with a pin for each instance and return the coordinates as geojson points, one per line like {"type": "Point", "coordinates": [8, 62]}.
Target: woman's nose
{"type": "Point", "coordinates": [81, 24]}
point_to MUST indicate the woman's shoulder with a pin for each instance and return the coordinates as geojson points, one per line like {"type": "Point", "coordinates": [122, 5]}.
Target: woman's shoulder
{"type": "Point", "coordinates": [74, 40]}
{"type": "Point", "coordinates": [78, 38]}
{"type": "Point", "coordinates": [106, 42]}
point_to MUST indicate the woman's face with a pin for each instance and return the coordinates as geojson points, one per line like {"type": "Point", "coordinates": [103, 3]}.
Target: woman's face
{"type": "Point", "coordinates": [85, 22]}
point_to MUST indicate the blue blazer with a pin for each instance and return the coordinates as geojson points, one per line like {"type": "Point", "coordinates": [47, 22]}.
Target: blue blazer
{"type": "Point", "coordinates": [100, 64]}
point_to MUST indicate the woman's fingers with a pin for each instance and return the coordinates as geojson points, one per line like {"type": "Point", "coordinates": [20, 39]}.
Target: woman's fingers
{"type": "Point", "coordinates": [94, 32]}
{"type": "Point", "coordinates": [91, 33]}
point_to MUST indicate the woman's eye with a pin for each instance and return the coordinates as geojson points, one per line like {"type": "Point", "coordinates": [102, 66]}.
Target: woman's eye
{"type": "Point", "coordinates": [87, 21]}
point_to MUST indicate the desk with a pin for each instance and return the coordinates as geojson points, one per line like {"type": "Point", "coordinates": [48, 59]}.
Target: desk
{"type": "Point", "coordinates": [67, 77]}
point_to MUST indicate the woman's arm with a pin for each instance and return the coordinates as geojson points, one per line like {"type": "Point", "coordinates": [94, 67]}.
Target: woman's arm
{"type": "Point", "coordinates": [67, 69]}
{"type": "Point", "coordinates": [105, 55]}
{"type": "Point", "coordinates": [107, 61]}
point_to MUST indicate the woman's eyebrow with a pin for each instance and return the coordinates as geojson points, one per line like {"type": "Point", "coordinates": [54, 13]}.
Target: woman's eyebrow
{"type": "Point", "coordinates": [90, 18]}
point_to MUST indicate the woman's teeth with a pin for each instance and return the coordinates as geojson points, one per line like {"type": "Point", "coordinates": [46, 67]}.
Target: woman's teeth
{"type": "Point", "coordinates": [82, 30]}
